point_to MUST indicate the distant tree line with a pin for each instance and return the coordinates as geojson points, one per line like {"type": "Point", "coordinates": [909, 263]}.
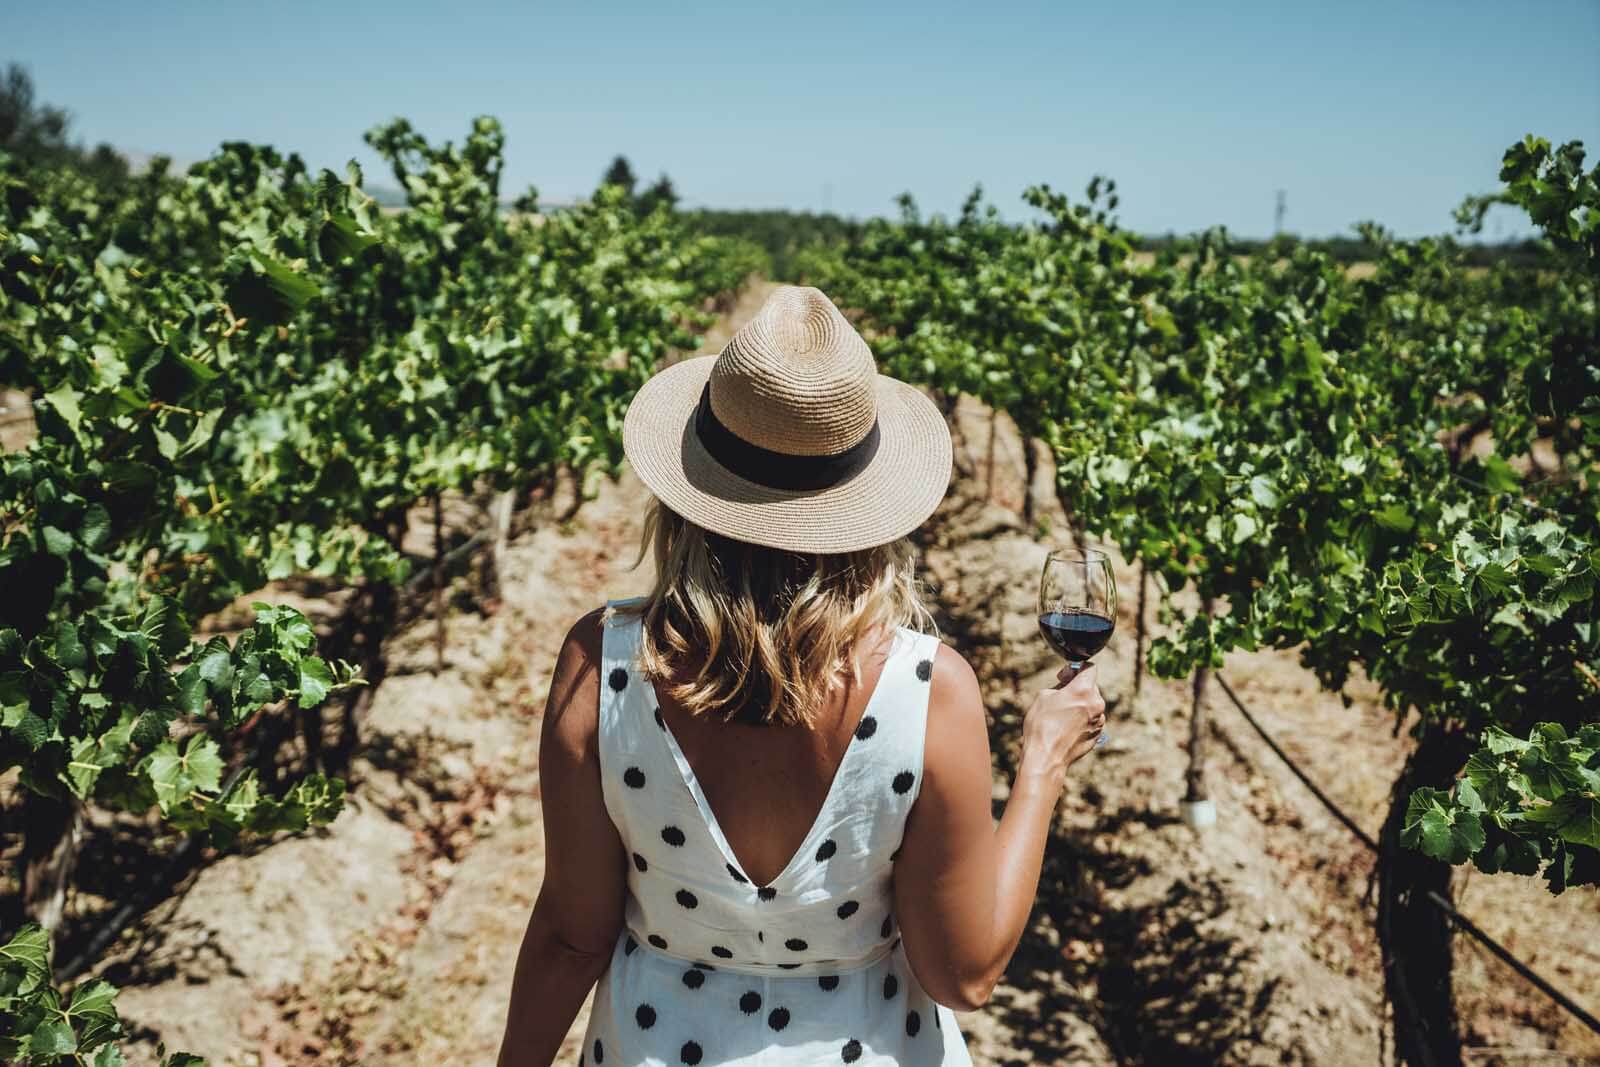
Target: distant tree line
{"type": "Point", "coordinates": [658, 194]}
{"type": "Point", "coordinates": [37, 133]}
{"type": "Point", "coordinates": [1354, 249]}
{"type": "Point", "coordinates": [781, 233]}
{"type": "Point", "coordinates": [784, 233]}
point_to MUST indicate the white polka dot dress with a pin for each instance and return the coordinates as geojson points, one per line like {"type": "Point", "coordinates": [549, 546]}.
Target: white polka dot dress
{"type": "Point", "coordinates": [712, 969]}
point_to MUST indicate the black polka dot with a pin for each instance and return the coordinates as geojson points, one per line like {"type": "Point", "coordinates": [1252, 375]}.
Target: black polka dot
{"type": "Point", "coordinates": [891, 986]}
{"type": "Point", "coordinates": [779, 1018]}
{"type": "Point", "coordinates": [629, 945]}
{"type": "Point", "coordinates": [788, 966]}
{"type": "Point", "coordinates": [866, 727]}
{"type": "Point", "coordinates": [658, 941]}
{"type": "Point", "coordinates": [638, 861]}
{"type": "Point", "coordinates": [694, 979]}
{"type": "Point", "coordinates": [619, 679]}
{"type": "Point", "coordinates": [925, 670]}
{"type": "Point", "coordinates": [766, 892]}
{"type": "Point", "coordinates": [737, 877]}
{"type": "Point", "coordinates": [659, 720]}
{"type": "Point", "coordinates": [750, 1003]}
{"type": "Point", "coordinates": [902, 781]}
{"type": "Point", "coordinates": [674, 836]}
{"type": "Point", "coordinates": [826, 850]}
{"type": "Point", "coordinates": [828, 982]}
{"type": "Point", "coordinates": [687, 899]}
{"type": "Point", "coordinates": [794, 944]}
{"type": "Point", "coordinates": [761, 937]}
{"type": "Point", "coordinates": [913, 1023]}
{"type": "Point", "coordinates": [883, 931]}
{"type": "Point", "coordinates": [847, 909]}
{"type": "Point", "coordinates": [721, 953]}
{"type": "Point", "coordinates": [851, 1051]}
{"type": "Point", "coordinates": [634, 777]}
{"type": "Point", "coordinates": [599, 1051]}
{"type": "Point", "coordinates": [690, 1053]}
{"type": "Point", "coordinates": [645, 1016]}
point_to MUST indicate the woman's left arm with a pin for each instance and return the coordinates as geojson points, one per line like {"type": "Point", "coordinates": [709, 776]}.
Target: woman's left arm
{"type": "Point", "coordinates": [578, 914]}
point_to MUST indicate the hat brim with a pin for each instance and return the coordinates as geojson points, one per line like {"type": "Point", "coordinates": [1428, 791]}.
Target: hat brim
{"type": "Point", "coordinates": [897, 490]}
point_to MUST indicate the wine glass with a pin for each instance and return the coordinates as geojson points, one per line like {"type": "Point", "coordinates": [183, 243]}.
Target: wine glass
{"type": "Point", "coordinates": [1078, 605]}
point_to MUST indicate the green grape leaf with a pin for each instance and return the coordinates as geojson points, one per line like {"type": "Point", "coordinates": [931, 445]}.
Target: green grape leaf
{"type": "Point", "coordinates": [1445, 833]}
{"type": "Point", "coordinates": [66, 400]}
{"type": "Point", "coordinates": [315, 681]}
{"type": "Point", "coordinates": [110, 1056]}
{"type": "Point", "coordinates": [94, 1013]}
{"type": "Point", "coordinates": [53, 1037]}
{"type": "Point", "coordinates": [24, 961]}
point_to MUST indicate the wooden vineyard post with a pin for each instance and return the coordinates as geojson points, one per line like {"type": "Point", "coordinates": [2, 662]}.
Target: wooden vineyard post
{"type": "Point", "coordinates": [1196, 807]}
{"type": "Point", "coordinates": [988, 486]}
{"type": "Point", "coordinates": [1139, 635]}
{"type": "Point", "coordinates": [52, 837]}
{"type": "Point", "coordinates": [503, 506]}
{"type": "Point", "coordinates": [438, 581]}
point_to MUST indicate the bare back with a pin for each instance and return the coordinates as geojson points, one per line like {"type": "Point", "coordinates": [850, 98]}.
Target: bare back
{"type": "Point", "coordinates": [766, 784]}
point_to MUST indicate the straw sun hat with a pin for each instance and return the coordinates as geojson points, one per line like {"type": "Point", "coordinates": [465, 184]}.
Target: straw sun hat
{"type": "Point", "coordinates": [790, 437]}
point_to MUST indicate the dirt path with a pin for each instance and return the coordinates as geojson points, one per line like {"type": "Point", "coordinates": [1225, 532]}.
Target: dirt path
{"type": "Point", "coordinates": [391, 937]}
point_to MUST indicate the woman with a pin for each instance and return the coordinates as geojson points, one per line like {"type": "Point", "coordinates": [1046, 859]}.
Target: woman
{"type": "Point", "coordinates": [767, 791]}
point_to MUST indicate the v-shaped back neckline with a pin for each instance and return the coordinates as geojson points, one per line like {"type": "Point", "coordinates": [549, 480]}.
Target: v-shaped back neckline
{"type": "Point", "coordinates": [709, 817]}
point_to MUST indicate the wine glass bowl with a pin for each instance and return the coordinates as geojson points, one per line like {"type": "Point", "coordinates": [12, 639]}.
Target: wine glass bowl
{"type": "Point", "coordinates": [1078, 605]}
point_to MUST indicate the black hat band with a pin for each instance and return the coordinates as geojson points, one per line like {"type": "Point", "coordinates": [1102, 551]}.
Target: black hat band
{"type": "Point", "coordinates": [779, 470]}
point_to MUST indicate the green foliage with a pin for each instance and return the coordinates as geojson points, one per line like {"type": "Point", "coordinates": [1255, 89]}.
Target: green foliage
{"type": "Point", "coordinates": [1293, 443]}
{"type": "Point", "coordinates": [1519, 806]}
{"type": "Point", "coordinates": [249, 373]}
{"type": "Point", "coordinates": [39, 1027]}
{"type": "Point", "coordinates": [784, 236]}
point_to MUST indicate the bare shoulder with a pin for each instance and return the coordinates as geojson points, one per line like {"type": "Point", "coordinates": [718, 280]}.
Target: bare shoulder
{"type": "Point", "coordinates": [585, 635]}
{"type": "Point", "coordinates": [572, 711]}
{"type": "Point", "coordinates": [953, 678]}
{"type": "Point", "coordinates": [955, 703]}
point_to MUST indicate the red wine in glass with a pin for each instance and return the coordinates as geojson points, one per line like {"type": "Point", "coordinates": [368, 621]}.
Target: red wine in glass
{"type": "Point", "coordinates": [1077, 635]}
{"type": "Point", "coordinates": [1078, 605]}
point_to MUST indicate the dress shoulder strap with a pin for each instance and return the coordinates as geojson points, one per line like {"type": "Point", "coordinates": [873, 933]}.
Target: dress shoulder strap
{"type": "Point", "coordinates": [626, 700]}
{"type": "Point", "coordinates": [881, 771]}
{"type": "Point", "coordinates": [902, 713]}
{"type": "Point", "coordinates": [621, 684]}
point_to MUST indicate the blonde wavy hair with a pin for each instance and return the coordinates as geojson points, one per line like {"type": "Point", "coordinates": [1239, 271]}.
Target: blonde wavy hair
{"type": "Point", "coordinates": [777, 629]}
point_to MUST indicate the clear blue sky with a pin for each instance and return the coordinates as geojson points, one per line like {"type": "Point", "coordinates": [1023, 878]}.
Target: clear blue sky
{"type": "Point", "coordinates": [1390, 111]}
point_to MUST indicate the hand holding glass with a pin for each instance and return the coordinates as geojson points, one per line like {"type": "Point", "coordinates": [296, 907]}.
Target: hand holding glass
{"type": "Point", "coordinates": [1078, 605]}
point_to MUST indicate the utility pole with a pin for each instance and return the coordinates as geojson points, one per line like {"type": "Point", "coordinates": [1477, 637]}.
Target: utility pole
{"type": "Point", "coordinates": [1277, 215]}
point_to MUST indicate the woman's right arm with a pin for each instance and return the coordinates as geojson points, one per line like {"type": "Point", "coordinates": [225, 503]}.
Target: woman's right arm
{"type": "Point", "coordinates": [963, 887]}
